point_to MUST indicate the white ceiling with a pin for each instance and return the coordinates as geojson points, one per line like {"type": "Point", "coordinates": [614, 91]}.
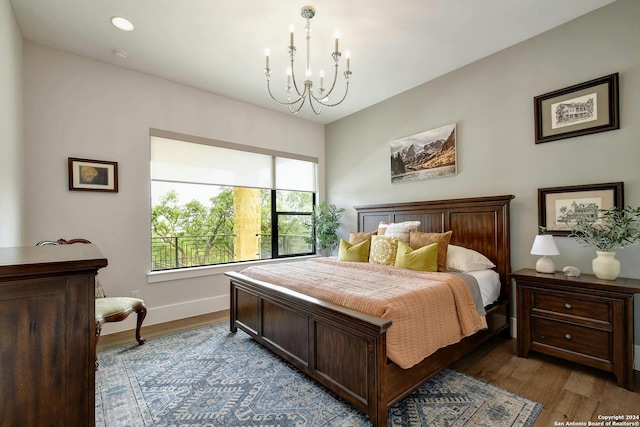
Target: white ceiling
{"type": "Point", "coordinates": [218, 45]}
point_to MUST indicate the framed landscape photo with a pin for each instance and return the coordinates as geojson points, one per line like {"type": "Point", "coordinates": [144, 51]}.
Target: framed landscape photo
{"type": "Point", "coordinates": [559, 206]}
{"type": "Point", "coordinates": [581, 109]}
{"type": "Point", "coordinates": [93, 175]}
{"type": "Point", "coordinates": [424, 155]}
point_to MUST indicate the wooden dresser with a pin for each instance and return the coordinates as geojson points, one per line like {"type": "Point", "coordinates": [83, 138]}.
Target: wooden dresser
{"type": "Point", "coordinates": [583, 319]}
{"type": "Point", "coordinates": [47, 335]}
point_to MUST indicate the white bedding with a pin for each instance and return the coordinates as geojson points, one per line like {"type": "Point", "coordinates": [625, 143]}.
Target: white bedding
{"type": "Point", "coordinates": [489, 283]}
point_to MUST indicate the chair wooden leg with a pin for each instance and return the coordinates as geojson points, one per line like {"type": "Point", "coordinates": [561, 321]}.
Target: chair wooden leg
{"type": "Point", "coordinates": [98, 331]}
{"type": "Point", "coordinates": [142, 313]}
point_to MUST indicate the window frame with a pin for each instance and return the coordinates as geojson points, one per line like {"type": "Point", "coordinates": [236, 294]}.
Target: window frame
{"type": "Point", "coordinates": [275, 214]}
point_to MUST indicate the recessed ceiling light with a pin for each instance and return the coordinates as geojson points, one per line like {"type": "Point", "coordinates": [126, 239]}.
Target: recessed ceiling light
{"type": "Point", "coordinates": [122, 23]}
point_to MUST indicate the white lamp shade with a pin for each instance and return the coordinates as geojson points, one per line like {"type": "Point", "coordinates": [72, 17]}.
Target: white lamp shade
{"type": "Point", "coordinates": [544, 245]}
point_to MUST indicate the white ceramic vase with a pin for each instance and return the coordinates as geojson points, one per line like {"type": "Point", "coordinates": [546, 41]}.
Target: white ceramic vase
{"type": "Point", "coordinates": [605, 265]}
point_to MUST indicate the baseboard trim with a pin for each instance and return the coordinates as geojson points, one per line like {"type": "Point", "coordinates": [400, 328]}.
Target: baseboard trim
{"type": "Point", "coordinates": [169, 313]}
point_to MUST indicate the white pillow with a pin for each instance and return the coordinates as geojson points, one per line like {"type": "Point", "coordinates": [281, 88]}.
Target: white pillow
{"type": "Point", "coordinates": [400, 230]}
{"type": "Point", "coordinates": [462, 259]}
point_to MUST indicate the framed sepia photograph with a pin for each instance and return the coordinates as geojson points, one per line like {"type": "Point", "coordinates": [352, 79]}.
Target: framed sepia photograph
{"type": "Point", "coordinates": [424, 155]}
{"type": "Point", "coordinates": [93, 175]}
{"type": "Point", "coordinates": [559, 206]}
{"type": "Point", "coordinates": [581, 109]}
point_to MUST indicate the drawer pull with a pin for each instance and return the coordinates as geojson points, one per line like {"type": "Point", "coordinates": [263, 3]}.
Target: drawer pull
{"type": "Point", "coordinates": [568, 337]}
{"type": "Point", "coordinates": [568, 306]}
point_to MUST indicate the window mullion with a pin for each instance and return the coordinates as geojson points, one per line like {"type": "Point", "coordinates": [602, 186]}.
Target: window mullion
{"type": "Point", "coordinates": [274, 226]}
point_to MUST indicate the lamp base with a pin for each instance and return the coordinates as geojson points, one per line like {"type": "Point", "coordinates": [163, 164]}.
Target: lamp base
{"type": "Point", "coordinates": [545, 265]}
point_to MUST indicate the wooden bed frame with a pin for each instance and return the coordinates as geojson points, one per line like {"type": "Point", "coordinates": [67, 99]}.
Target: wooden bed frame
{"type": "Point", "coordinates": [345, 350]}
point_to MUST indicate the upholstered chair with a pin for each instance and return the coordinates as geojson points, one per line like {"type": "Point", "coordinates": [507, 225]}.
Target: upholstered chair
{"type": "Point", "coordinates": [115, 309]}
{"type": "Point", "coordinates": [109, 309]}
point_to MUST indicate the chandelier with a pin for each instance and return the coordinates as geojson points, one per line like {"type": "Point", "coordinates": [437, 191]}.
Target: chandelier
{"type": "Point", "coordinates": [296, 97]}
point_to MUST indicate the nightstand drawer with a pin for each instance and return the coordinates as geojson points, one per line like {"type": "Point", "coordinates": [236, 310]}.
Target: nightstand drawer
{"type": "Point", "coordinates": [564, 303]}
{"type": "Point", "coordinates": [575, 338]}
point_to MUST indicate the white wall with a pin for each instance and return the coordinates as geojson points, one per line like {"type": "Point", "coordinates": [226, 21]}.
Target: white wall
{"type": "Point", "coordinates": [77, 107]}
{"type": "Point", "coordinates": [11, 148]}
{"type": "Point", "coordinates": [492, 103]}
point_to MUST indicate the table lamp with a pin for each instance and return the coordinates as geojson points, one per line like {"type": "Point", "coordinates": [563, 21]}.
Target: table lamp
{"type": "Point", "coordinates": [544, 245]}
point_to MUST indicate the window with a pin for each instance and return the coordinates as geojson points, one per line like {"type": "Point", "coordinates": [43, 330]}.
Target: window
{"type": "Point", "coordinates": [216, 203]}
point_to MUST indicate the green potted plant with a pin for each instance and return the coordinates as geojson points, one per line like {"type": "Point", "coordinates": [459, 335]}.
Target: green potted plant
{"type": "Point", "coordinates": [325, 222]}
{"type": "Point", "coordinates": [615, 229]}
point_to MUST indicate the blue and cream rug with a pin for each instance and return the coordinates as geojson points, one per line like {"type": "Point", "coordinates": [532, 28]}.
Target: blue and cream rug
{"type": "Point", "coordinates": [210, 377]}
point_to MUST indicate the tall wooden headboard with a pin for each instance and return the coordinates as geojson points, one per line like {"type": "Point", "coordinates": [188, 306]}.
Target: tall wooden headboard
{"type": "Point", "coordinates": [479, 223]}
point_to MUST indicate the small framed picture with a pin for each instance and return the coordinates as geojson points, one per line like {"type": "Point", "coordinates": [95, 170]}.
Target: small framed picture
{"type": "Point", "coordinates": [581, 109]}
{"type": "Point", "coordinates": [93, 175]}
{"type": "Point", "coordinates": [559, 206]}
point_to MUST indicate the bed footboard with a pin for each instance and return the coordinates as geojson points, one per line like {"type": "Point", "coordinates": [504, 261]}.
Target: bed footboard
{"type": "Point", "coordinates": [342, 349]}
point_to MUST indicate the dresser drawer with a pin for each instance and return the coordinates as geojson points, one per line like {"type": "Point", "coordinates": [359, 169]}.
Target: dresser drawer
{"type": "Point", "coordinates": [575, 338]}
{"type": "Point", "coordinates": [567, 304]}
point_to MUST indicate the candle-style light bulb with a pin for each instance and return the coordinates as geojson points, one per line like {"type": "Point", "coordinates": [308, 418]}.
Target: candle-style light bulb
{"type": "Point", "coordinates": [347, 54]}
{"type": "Point", "coordinates": [291, 29]}
{"type": "Point", "coordinates": [337, 33]}
{"type": "Point", "coordinates": [321, 79]}
{"type": "Point", "coordinates": [266, 53]}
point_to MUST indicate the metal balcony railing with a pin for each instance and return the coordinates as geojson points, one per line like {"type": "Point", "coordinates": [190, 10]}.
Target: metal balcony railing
{"type": "Point", "coordinates": [192, 251]}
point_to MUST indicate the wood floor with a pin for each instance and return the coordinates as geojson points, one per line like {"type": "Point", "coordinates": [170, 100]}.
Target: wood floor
{"type": "Point", "coordinates": [569, 392]}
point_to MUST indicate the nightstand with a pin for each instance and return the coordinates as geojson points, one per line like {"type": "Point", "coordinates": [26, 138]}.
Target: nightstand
{"type": "Point", "coordinates": [582, 319]}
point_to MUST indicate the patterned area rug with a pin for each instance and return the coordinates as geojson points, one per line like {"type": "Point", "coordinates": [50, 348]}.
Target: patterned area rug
{"type": "Point", "coordinates": [210, 377]}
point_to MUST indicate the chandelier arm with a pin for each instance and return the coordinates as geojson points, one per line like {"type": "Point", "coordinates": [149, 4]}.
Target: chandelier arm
{"type": "Point", "coordinates": [336, 103]}
{"type": "Point", "coordinates": [295, 83]}
{"type": "Point", "coordinates": [292, 111]}
{"type": "Point", "coordinates": [326, 95]}
{"type": "Point", "coordinates": [302, 98]}
{"type": "Point", "coordinates": [313, 108]}
{"type": "Point", "coordinates": [333, 85]}
{"type": "Point", "coordinates": [289, 103]}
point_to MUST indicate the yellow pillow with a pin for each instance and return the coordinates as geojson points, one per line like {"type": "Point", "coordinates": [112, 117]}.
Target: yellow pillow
{"type": "Point", "coordinates": [422, 259]}
{"type": "Point", "coordinates": [383, 250]}
{"type": "Point", "coordinates": [418, 239]}
{"type": "Point", "coordinates": [354, 253]}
